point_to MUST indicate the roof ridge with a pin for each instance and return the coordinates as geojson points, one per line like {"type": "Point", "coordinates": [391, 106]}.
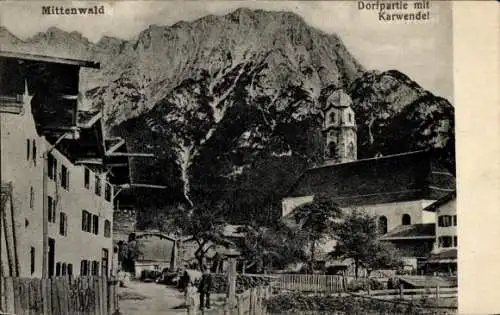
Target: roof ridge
{"type": "Point", "coordinates": [370, 159]}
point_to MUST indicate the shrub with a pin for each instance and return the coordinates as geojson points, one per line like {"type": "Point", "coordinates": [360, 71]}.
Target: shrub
{"type": "Point", "coordinates": [296, 303]}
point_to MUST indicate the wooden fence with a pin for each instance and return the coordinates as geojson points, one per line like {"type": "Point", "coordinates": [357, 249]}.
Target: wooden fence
{"type": "Point", "coordinates": [310, 283]}
{"type": "Point", "coordinates": [59, 296]}
{"type": "Point", "coordinates": [435, 292]}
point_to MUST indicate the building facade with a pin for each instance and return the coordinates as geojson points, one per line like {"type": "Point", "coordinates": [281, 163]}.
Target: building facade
{"type": "Point", "coordinates": [57, 191]}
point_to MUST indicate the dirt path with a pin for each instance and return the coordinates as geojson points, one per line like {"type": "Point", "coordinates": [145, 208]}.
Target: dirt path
{"type": "Point", "coordinates": [157, 299]}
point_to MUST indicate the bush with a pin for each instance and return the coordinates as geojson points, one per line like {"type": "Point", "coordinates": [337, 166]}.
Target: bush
{"type": "Point", "coordinates": [296, 303]}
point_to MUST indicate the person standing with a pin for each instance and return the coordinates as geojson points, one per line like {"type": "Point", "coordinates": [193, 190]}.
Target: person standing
{"type": "Point", "coordinates": [204, 289]}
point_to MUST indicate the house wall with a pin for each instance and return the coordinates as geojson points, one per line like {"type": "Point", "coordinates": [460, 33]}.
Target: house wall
{"type": "Point", "coordinates": [449, 208]}
{"type": "Point", "coordinates": [26, 174]}
{"type": "Point", "coordinates": [393, 211]}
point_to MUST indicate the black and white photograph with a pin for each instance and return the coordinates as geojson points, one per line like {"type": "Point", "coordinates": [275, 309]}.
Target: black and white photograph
{"type": "Point", "coordinates": [227, 157]}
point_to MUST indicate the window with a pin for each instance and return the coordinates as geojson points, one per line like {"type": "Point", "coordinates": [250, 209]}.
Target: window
{"type": "Point", "coordinates": [455, 241]}
{"type": "Point", "coordinates": [382, 225]}
{"type": "Point", "coordinates": [87, 178]}
{"type": "Point", "coordinates": [107, 228]}
{"type": "Point", "coordinates": [97, 185]}
{"type": "Point", "coordinates": [64, 177]}
{"type": "Point", "coordinates": [95, 268]}
{"type": "Point", "coordinates": [51, 206]}
{"type": "Point", "coordinates": [406, 220]}
{"type": "Point", "coordinates": [28, 147]}
{"type": "Point", "coordinates": [350, 117]}
{"type": "Point", "coordinates": [63, 224]}
{"type": "Point", "coordinates": [445, 241]}
{"type": "Point", "coordinates": [34, 151]}
{"type": "Point", "coordinates": [332, 118]}
{"type": "Point", "coordinates": [104, 263]}
{"type": "Point", "coordinates": [332, 150]}
{"type": "Point", "coordinates": [84, 268]}
{"type": "Point", "coordinates": [32, 260]}
{"type": "Point", "coordinates": [95, 225]}
{"type": "Point", "coordinates": [86, 221]}
{"type": "Point", "coordinates": [63, 269]}
{"type": "Point", "coordinates": [70, 269]}
{"type": "Point", "coordinates": [351, 150]}
{"type": "Point", "coordinates": [32, 197]}
{"type": "Point", "coordinates": [58, 269]}
{"type": "Point", "coordinates": [52, 167]}
{"type": "Point", "coordinates": [454, 220]}
{"type": "Point", "coordinates": [445, 220]}
{"type": "Point", "coordinates": [107, 192]}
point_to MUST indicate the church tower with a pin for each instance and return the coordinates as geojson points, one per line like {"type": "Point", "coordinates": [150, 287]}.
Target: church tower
{"type": "Point", "coordinates": [339, 129]}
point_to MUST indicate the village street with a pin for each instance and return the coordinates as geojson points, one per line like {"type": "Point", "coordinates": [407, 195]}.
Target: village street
{"type": "Point", "coordinates": [152, 299]}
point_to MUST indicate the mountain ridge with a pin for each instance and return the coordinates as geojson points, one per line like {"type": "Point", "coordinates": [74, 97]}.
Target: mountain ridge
{"type": "Point", "coordinates": [231, 104]}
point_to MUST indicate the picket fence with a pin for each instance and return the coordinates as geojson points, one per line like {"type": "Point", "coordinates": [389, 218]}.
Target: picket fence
{"type": "Point", "coordinates": [312, 283]}
{"type": "Point", "coordinates": [59, 296]}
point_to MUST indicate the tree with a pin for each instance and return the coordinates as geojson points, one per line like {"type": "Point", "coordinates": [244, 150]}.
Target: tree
{"type": "Point", "coordinates": [264, 247]}
{"type": "Point", "coordinates": [260, 247]}
{"type": "Point", "coordinates": [356, 238]}
{"type": "Point", "coordinates": [205, 225]}
{"type": "Point", "coordinates": [316, 219]}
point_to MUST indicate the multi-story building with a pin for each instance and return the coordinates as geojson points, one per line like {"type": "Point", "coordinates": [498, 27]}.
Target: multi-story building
{"type": "Point", "coordinates": [444, 254]}
{"type": "Point", "coordinates": [56, 169]}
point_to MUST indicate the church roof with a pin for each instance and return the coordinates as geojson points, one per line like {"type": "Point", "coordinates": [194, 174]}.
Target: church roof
{"type": "Point", "coordinates": [412, 231]}
{"type": "Point", "coordinates": [339, 98]}
{"type": "Point", "coordinates": [395, 178]}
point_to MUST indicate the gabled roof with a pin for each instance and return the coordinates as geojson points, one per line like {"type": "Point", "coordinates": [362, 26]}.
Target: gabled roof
{"type": "Point", "coordinates": [444, 200]}
{"type": "Point", "coordinates": [394, 178]}
{"type": "Point", "coordinates": [49, 59]}
{"type": "Point", "coordinates": [413, 231]}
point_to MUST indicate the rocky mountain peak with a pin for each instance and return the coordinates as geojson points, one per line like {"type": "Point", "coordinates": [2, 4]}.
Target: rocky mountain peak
{"type": "Point", "coordinates": [230, 104]}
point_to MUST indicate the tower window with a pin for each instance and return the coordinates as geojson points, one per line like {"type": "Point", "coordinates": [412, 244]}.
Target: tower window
{"type": "Point", "coordinates": [332, 150]}
{"type": "Point", "coordinates": [351, 150]}
{"type": "Point", "coordinates": [332, 117]}
{"type": "Point", "coordinates": [350, 117]}
{"type": "Point", "coordinates": [406, 220]}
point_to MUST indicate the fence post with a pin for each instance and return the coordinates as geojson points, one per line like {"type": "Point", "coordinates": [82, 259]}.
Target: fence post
{"type": "Point", "coordinates": [231, 277]}
{"type": "Point", "coordinates": [401, 293]}
{"type": "Point", "coordinates": [437, 292]}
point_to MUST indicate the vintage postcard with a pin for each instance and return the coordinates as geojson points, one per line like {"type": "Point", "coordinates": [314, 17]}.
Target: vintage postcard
{"type": "Point", "coordinates": [228, 157]}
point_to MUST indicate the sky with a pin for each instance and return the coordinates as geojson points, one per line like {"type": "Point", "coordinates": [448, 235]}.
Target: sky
{"type": "Point", "coordinates": [422, 50]}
